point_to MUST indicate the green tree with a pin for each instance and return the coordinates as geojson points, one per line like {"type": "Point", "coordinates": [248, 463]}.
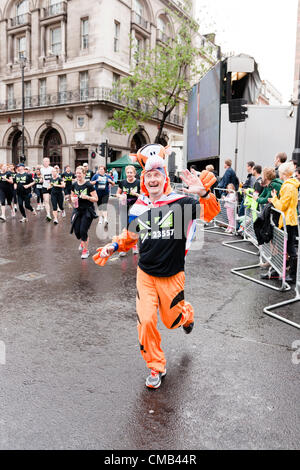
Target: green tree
{"type": "Point", "coordinates": [162, 76]}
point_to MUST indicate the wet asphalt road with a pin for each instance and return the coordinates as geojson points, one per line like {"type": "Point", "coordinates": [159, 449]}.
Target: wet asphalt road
{"type": "Point", "coordinates": [74, 377]}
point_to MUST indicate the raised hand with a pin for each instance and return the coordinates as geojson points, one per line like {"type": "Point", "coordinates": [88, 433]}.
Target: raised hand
{"type": "Point", "coordinates": [193, 182]}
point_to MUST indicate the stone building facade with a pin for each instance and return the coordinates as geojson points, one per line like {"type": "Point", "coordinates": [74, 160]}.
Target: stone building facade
{"type": "Point", "coordinates": [75, 53]}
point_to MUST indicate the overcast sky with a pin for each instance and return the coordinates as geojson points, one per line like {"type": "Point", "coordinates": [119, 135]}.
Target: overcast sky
{"type": "Point", "coordinates": [264, 29]}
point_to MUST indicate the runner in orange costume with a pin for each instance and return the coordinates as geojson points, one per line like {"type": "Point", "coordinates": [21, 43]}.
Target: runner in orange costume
{"type": "Point", "coordinates": [155, 221]}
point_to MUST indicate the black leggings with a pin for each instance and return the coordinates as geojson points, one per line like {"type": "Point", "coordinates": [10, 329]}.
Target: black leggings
{"type": "Point", "coordinates": [24, 198]}
{"type": "Point", "coordinates": [81, 226]}
{"type": "Point", "coordinates": [57, 199]}
{"type": "Point", "coordinates": [5, 195]}
{"type": "Point", "coordinates": [292, 231]}
{"type": "Point", "coordinates": [39, 195]}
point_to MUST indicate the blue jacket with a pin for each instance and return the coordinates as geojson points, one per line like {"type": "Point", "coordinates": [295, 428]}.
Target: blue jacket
{"type": "Point", "coordinates": [229, 177]}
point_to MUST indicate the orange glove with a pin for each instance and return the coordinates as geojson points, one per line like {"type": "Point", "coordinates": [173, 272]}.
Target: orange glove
{"type": "Point", "coordinates": [125, 240]}
{"type": "Point", "coordinates": [98, 260]}
{"type": "Point", "coordinates": [209, 208]}
{"type": "Point", "coordinates": [207, 178]}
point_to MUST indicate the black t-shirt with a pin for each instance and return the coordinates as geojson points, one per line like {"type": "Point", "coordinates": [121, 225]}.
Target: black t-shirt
{"type": "Point", "coordinates": [38, 181]}
{"type": "Point", "coordinates": [87, 188]}
{"type": "Point", "coordinates": [89, 175]}
{"type": "Point", "coordinates": [54, 182]}
{"type": "Point", "coordinates": [163, 235]}
{"type": "Point", "coordinates": [23, 180]}
{"type": "Point", "coordinates": [5, 184]}
{"type": "Point", "coordinates": [68, 178]}
{"type": "Point", "coordinates": [128, 187]}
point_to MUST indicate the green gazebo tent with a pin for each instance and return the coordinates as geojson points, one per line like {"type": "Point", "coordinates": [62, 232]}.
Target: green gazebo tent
{"type": "Point", "coordinates": [122, 163]}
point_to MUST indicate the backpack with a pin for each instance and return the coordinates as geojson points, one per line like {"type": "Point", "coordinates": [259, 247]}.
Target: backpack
{"type": "Point", "coordinates": [262, 226]}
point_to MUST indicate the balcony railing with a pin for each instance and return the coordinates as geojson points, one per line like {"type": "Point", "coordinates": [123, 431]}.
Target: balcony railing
{"type": "Point", "coordinates": [139, 20]}
{"type": "Point", "coordinates": [20, 20]}
{"type": "Point", "coordinates": [55, 9]}
{"type": "Point", "coordinates": [88, 95]}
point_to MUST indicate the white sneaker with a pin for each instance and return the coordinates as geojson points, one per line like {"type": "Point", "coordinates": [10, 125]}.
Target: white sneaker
{"type": "Point", "coordinates": [2, 217]}
{"type": "Point", "coordinates": [63, 214]}
{"type": "Point", "coordinates": [85, 254]}
{"type": "Point", "coordinates": [49, 218]}
{"type": "Point", "coordinates": [38, 208]}
{"type": "Point", "coordinates": [135, 250]}
{"type": "Point", "coordinates": [122, 253]}
{"type": "Point", "coordinates": [55, 221]}
{"type": "Point", "coordinates": [23, 220]}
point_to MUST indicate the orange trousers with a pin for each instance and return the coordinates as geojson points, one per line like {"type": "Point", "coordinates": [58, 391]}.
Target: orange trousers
{"type": "Point", "coordinates": [165, 294]}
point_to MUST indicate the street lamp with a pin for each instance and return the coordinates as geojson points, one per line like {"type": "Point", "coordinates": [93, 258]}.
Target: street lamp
{"type": "Point", "coordinates": [22, 61]}
{"type": "Point", "coordinates": [296, 153]}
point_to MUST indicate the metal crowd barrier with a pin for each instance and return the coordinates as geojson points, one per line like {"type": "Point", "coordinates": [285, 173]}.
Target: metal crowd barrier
{"type": "Point", "coordinates": [248, 233]}
{"type": "Point", "coordinates": [274, 253]}
{"type": "Point", "coordinates": [221, 222]}
{"type": "Point", "coordinates": [269, 310]}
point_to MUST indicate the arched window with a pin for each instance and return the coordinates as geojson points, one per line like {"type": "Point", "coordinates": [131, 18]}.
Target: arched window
{"type": "Point", "coordinates": [161, 25]}
{"type": "Point", "coordinates": [16, 147]}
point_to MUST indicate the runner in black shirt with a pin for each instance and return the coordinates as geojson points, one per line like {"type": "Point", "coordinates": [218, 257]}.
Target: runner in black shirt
{"type": "Point", "coordinates": [13, 171]}
{"type": "Point", "coordinates": [128, 193]}
{"type": "Point", "coordinates": [38, 179]}
{"type": "Point", "coordinates": [83, 197]}
{"type": "Point", "coordinates": [68, 178]}
{"type": "Point", "coordinates": [57, 198]}
{"type": "Point", "coordinates": [23, 185]}
{"type": "Point", "coordinates": [164, 221]}
{"type": "Point", "coordinates": [6, 193]}
{"type": "Point", "coordinates": [88, 173]}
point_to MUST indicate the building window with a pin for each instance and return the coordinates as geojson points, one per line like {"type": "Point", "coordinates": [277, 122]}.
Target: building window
{"type": "Point", "coordinates": [161, 25]}
{"type": "Point", "coordinates": [117, 37]}
{"type": "Point", "coordinates": [42, 92]}
{"type": "Point", "coordinates": [55, 41]}
{"type": "Point", "coordinates": [138, 7]}
{"type": "Point", "coordinates": [27, 94]}
{"type": "Point", "coordinates": [10, 97]}
{"type": "Point", "coordinates": [85, 33]}
{"type": "Point", "coordinates": [116, 80]}
{"type": "Point", "coordinates": [55, 7]}
{"type": "Point", "coordinates": [139, 49]}
{"type": "Point", "coordinates": [84, 85]}
{"type": "Point", "coordinates": [62, 89]}
{"type": "Point", "coordinates": [22, 8]}
{"type": "Point", "coordinates": [21, 47]}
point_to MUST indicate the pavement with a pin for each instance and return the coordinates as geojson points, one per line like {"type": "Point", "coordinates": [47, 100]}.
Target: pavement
{"type": "Point", "coordinates": [73, 378]}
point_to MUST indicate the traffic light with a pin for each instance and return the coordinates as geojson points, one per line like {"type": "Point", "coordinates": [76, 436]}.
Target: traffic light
{"type": "Point", "coordinates": [237, 110]}
{"type": "Point", "coordinates": [102, 148]}
{"type": "Point", "coordinates": [93, 154]}
{"type": "Point", "coordinates": [110, 152]}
